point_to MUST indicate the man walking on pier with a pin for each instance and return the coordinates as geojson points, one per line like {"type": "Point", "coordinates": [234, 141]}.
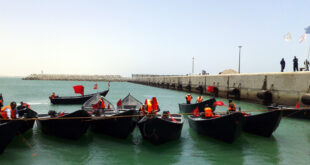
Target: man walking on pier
{"type": "Point", "coordinates": [295, 62]}
{"type": "Point", "coordinates": [282, 64]}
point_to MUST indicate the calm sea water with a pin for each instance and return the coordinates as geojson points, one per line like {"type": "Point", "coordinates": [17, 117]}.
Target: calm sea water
{"type": "Point", "coordinates": [290, 143]}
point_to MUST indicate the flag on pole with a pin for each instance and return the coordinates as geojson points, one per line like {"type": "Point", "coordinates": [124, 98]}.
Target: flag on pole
{"type": "Point", "coordinates": [302, 38]}
{"type": "Point", "coordinates": [288, 37]}
{"type": "Point", "coordinates": [95, 86]}
{"type": "Point", "coordinates": [307, 30]}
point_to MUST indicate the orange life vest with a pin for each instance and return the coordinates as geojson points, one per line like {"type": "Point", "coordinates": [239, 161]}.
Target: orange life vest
{"type": "Point", "coordinates": [101, 104]}
{"type": "Point", "coordinates": [53, 96]}
{"type": "Point", "coordinates": [3, 112]}
{"type": "Point", "coordinates": [231, 107]}
{"type": "Point", "coordinates": [188, 98]}
{"type": "Point", "coordinates": [199, 99]}
{"type": "Point", "coordinates": [149, 106]}
{"type": "Point", "coordinates": [208, 112]}
{"type": "Point", "coordinates": [142, 110]}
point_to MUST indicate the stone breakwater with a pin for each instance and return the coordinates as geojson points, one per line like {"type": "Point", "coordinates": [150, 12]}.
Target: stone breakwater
{"type": "Point", "coordinates": [266, 88]}
{"type": "Point", "coordinates": [75, 77]}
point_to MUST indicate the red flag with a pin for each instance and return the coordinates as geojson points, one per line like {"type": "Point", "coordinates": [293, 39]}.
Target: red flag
{"type": "Point", "coordinates": [95, 86]}
{"type": "Point", "coordinates": [119, 103]}
{"type": "Point", "coordinates": [297, 105]}
{"type": "Point", "coordinates": [219, 103]}
{"type": "Point", "coordinates": [154, 103]}
{"type": "Point", "coordinates": [95, 106]}
{"type": "Point", "coordinates": [195, 112]}
{"type": "Point", "coordinates": [210, 89]}
{"type": "Point", "coordinates": [79, 89]}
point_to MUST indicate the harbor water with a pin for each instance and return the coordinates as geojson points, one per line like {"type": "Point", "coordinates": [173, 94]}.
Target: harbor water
{"type": "Point", "coordinates": [290, 143]}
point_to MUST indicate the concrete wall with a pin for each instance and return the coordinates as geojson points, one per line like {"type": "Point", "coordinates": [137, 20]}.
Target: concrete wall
{"type": "Point", "coordinates": [286, 88]}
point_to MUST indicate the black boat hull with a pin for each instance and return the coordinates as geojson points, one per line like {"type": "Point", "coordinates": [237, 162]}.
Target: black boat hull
{"type": "Point", "coordinates": [188, 108]}
{"type": "Point", "coordinates": [159, 131]}
{"type": "Point", "coordinates": [120, 127]}
{"type": "Point", "coordinates": [75, 99]}
{"type": "Point", "coordinates": [8, 131]}
{"type": "Point", "coordinates": [303, 113]}
{"type": "Point", "coordinates": [262, 124]}
{"type": "Point", "coordinates": [226, 128]}
{"type": "Point", "coordinates": [65, 128]}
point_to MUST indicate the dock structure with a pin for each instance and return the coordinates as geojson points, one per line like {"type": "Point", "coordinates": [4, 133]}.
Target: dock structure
{"type": "Point", "coordinates": [286, 88]}
{"type": "Point", "coordinates": [65, 77]}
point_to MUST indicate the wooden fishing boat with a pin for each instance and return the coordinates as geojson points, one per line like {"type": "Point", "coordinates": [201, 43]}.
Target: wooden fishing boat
{"type": "Point", "coordinates": [61, 126]}
{"type": "Point", "coordinates": [293, 112]}
{"type": "Point", "coordinates": [75, 99]}
{"type": "Point", "coordinates": [158, 130]}
{"type": "Point", "coordinates": [188, 108]}
{"type": "Point", "coordinates": [263, 124]}
{"type": "Point", "coordinates": [226, 127]}
{"type": "Point", "coordinates": [111, 121]}
{"type": "Point", "coordinates": [8, 131]}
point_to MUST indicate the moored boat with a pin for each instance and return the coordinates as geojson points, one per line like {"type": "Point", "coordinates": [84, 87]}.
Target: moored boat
{"type": "Point", "coordinates": [71, 126]}
{"type": "Point", "coordinates": [8, 131]}
{"type": "Point", "coordinates": [293, 112]}
{"type": "Point", "coordinates": [117, 123]}
{"type": "Point", "coordinates": [158, 129]}
{"type": "Point", "coordinates": [226, 127]}
{"type": "Point", "coordinates": [75, 99]}
{"type": "Point", "coordinates": [188, 108]}
{"type": "Point", "coordinates": [263, 124]}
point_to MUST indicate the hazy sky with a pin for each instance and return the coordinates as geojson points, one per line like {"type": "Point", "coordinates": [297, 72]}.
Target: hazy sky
{"type": "Point", "coordinates": [150, 37]}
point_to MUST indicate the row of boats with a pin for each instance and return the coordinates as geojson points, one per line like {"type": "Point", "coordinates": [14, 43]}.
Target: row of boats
{"type": "Point", "coordinates": [121, 121]}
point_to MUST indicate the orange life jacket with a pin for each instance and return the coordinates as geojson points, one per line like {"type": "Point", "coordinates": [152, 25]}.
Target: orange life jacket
{"type": "Point", "coordinates": [149, 106]}
{"type": "Point", "coordinates": [231, 107]}
{"type": "Point", "coordinates": [101, 104]}
{"type": "Point", "coordinates": [3, 112]}
{"type": "Point", "coordinates": [208, 112]}
{"type": "Point", "coordinates": [199, 99]}
{"type": "Point", "coordinates": [188, 98]}
{"type": "Point", "coordinates": [53, 96]}
{"type": "Point", "coordinates": [142, 110]}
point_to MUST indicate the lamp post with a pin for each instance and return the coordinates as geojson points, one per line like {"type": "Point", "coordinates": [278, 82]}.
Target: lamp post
{"type": "Point", "coordinates": [239, 58]}
{"type": "Point", "coordinates": [193, 66]}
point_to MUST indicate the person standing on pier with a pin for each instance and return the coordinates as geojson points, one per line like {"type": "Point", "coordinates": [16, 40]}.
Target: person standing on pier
{"type": "Point", "coordinates": [282, 64]}
{"type": "Point", "coordinates": [295, 62]}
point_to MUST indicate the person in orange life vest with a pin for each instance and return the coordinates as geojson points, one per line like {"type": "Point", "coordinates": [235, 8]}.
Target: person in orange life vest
{"type": "Point", "coordinates": [208, 112]}
{"type": "Point", "coordinates": [23, 106]}
{"type": "Point", "coordinates": [9, 111]}
{"type": "Point", "coordinates": [188, 98]}
{"type": "Point", "coordinates": [101, 104]}
{"type": "Point", "coordinates": [149, 107]}
{"type": "Point", "coordinates": [53, 95]}
{"type": "Point", "coordinates": [231, 106]}
{"type": "Point", "coordinates": [199, 99]}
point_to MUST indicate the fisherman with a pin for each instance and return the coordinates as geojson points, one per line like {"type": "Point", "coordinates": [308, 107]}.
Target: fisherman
{"type": "Point", "coordinates": [53, 95]}
{"type": "Point", "coordinates": [282, 64]}
{"type": "Point", "coordinates": [208, 112]}
{"type": "Point", "coordinates": [149, 106]}
{"type": "Point", "coordinates": [199, 99]}
{"type": "Point", "coordinates": [188, 98]}
{"type": "Point", "coordinates": [1, 101]}
{"type": "Point", "coordinates": [142, 110]}
{"type": "Point", "coordinates": [306, 64]}
{"type": "Point", "coordinates": [9, 111]}
{"type": "Point", "coordinates": [101, 104]}
{"type": "Point", "coordinates": [23, 106]}
{"type": "Point", "coordinates": [295, 62]}
{"type": "Point", "coordinates": [231, 106]}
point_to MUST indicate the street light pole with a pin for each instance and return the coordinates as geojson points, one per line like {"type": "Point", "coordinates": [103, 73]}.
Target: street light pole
{"type": "Point", "coordinates": [239, 58]}
{"type": "Point", "coordinates": [193, 66]}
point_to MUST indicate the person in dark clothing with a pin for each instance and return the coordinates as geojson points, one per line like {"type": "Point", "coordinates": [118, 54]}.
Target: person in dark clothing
{"type": "Point", "coordinates": [282, 64]}
{"type": "Point", "coordinates": [295, 62]}
{"type": "Point", "coordinates": [307, 64]}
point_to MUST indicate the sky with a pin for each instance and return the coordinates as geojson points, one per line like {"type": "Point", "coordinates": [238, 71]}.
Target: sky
{"type": "Point", "coordinates": [122, 37]}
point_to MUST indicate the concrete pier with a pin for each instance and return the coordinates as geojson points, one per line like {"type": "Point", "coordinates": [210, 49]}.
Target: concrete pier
{"type": "Point", "coordinates": [281, 88]}
{"type": "Point", "coordinates": [75, 77]}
